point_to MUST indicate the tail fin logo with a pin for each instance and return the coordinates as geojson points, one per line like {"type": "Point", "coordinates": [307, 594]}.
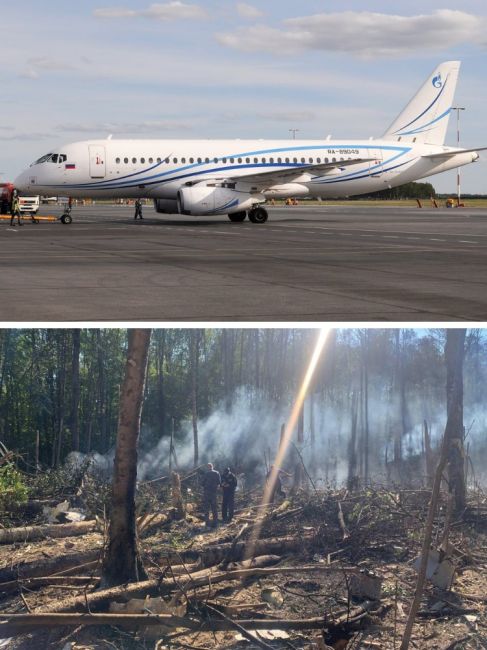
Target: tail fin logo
{"type": "Point", "coordinates": [437, 82]}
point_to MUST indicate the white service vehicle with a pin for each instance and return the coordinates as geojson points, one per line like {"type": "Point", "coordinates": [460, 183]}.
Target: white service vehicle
{"type": "Point", "coordinates": [29, 204]}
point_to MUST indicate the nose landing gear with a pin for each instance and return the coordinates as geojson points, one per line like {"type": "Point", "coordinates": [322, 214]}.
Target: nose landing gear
{"type": "Point", "coordinates": [66, 215]}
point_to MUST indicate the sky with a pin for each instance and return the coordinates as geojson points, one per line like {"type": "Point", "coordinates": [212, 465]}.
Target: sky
{"type": "Point", "coordinates": [223, 69]}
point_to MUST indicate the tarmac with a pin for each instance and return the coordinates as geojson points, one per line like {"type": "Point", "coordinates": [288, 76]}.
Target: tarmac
{"type": "Point", "coordinates": [306, 264]}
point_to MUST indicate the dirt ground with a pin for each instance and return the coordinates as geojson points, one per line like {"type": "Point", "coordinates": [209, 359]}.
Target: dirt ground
{"type": "Point", "coordinates": [381, 532]}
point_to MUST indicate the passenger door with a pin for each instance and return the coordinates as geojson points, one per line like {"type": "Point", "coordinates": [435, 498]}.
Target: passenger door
{"type": "Point", "coordinates": [97, 161]}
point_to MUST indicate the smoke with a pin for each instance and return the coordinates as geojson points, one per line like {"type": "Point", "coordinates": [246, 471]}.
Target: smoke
{"type": "Point", "coordinates": [244, 433]}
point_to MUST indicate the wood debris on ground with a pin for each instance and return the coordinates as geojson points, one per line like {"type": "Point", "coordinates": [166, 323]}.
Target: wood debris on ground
{"type": "Point", "coordinates": [330, 569]}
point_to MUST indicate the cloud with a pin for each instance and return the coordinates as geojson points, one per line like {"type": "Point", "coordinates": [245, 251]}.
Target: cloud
{"type": "Point", "coordinates": [123, 127]}
{"type": "Point", "coordinates": [25, 136]}
{"type": "Point", "coordinates": [364, 34]}
{"type": "Point", "coordinates": [248, 11]}
{"type": "Point", "coordinates": [175, 10]}
{"type": "Point", "coordinates": [287, 116]}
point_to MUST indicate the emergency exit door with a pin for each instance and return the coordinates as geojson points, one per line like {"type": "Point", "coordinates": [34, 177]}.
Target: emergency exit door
{"type": "Point", "coordinates": [97, 161]}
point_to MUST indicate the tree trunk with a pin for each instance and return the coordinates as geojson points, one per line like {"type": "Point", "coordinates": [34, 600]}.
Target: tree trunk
{"type": "Point", "coordinates": [122, 561]}
{"type": "Point", "coordinates": [75, 390]}
{"type": "Point", "coordinates": [454, 431]}
{"type": "Point", "coordinates": [195, 340]}
{"type": "Point", "coordinates": [352, 481]}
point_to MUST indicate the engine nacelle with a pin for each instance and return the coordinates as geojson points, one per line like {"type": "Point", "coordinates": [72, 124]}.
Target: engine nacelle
{"type": "Point", "coordinates": [166, 206]}
{"type": "Point", "coordinates": [201, 200]}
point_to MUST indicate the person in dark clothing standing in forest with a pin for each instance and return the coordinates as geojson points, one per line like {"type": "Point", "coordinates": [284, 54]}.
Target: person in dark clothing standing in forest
{"type": "Point", "coordinates": [211, 483]}
{"type": "Point", "coordinates": [229, 485]}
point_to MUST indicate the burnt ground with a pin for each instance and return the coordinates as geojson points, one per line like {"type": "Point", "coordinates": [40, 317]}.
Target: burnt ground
{"type": "Point", "coordinates": [383, 535]}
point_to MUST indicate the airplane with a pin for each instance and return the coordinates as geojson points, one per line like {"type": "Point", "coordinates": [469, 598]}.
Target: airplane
{"type": "Point", "coordinates": [237, 177]}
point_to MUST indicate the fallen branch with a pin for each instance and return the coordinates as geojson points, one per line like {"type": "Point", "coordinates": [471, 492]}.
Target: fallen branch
{"type": "Point", "coordinates": [37, 583]}
{"type": "Point", "coordinates": [49, 566]}
{"type": "Point", "coordinates": [30, 533]}
{"type": "Point", "coordinates": [248, 569]}
{"type": "Point", "coordinates": [22, 623]}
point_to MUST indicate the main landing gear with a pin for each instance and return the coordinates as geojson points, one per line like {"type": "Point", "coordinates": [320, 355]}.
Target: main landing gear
{"type": "Point", "coordinates": [256, 215]}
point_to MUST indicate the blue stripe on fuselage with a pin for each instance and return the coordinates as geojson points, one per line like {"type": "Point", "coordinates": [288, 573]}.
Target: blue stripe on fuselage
{"type": "Point", "coordinates": [119, 183]}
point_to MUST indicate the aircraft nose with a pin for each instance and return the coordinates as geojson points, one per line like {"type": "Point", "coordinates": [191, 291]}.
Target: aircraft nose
{"type": "Point", "coordinates": [475, 156]}
{"type": "Point", "coordinates": [21, 181]}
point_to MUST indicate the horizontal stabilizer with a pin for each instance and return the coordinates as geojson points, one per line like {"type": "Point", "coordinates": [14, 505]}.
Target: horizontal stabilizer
{"type": "Point", "coordinates": [449, 154]}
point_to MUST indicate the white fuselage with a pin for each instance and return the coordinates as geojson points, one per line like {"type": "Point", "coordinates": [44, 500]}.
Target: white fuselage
{"type": "Point", "coordinates": [159, 168]}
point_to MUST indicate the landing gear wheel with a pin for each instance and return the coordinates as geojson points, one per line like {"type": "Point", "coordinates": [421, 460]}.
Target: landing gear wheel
{"type": "Point", "coordinates": [66, 218]}
{"type": "Point", "coordinates": [258, 215]}
{"type": "Point", "coordinates": [237, 216]}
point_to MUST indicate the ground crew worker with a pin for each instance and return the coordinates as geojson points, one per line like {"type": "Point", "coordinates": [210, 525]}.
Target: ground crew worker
{"type": "Point", "coordinates": [229, 485]}
{"type": "Point", "coordinates": [138, 209]}
{"type": "Point", "coordinates": [15, 209]}
{"type": "Point", "coordinates": [211, 483]}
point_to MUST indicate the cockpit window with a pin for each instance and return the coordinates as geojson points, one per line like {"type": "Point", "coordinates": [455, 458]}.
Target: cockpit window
{"type": "Point", "coordinates": [51, 157]}
{"type": "Point", "coordinates": [43, 159]}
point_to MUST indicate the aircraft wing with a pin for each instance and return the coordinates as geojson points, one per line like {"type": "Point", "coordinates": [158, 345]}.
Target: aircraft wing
{"type": "Point", "coordinates": [291, 174]}
{"type": "Point", "coordinates": [449, 154]}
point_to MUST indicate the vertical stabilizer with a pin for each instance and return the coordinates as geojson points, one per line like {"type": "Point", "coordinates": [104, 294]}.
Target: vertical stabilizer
{"type": "Point", "coordinates": [425, 118]}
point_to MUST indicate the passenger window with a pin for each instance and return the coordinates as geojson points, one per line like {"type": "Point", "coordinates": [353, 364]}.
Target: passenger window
{"type": "Point", "coordinates": [263, 160]}
{"type": "Point", "coordinates": [191, 160]}
{"type": "Point", "coordinates": [311, 160]}
{"type": "Point", "coordinates": [318, 160]}
{"type": "Point", "coordinates": [125, 160]}
{"type": "Point", "coordinates": [151, 160]}
{"type": "Point", "coordinates": [224, 160]}
{"type": "Point", "coordinates": [303, 160]}
{"type": "Point", "coordinates": [117, 160]}
{"type": "Point", "coordinates": [215, 160]}
{"type": "Point", "coordinates": [183, 160]}
{"type": "Point", "coordinates": [166, 161]}
{"type": "Point", "coordinates": [247, 160]}
{"type": "Point", "coordinates": [239, 160]}
{"type": "Point", "coordinates": [279, 160]}
{"type": "Point", "coordinates": [295, 160]}
{"type": "Point", "coordinates": [287, 160]}
{"type": "Point", "coordinates": [207, 160]}
{"type": "Point", "coordinates": [333, 159]}
{"type": "Point", "coordinates": [134, 160]}
{"type": "Point", "coordinates": [199, 161]}
{"type": "Point", "coordinates": [271, 160]}
{"type": "Point", "coordinates": [327, 160]}
{"type": "Point", "coordinates": [175, 160]}
{"type": "Point", "coordinates": [256, 160]}
{"type": "Point", "coordinates": [142, 160]}
{"type": "Point", "coordinates": [232, 160]}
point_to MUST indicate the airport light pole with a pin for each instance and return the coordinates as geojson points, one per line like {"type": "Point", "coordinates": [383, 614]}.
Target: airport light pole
{"type": "Point", "coordinates": [458, 109]}
{"type": "Point", "coordinates": [293, 131]}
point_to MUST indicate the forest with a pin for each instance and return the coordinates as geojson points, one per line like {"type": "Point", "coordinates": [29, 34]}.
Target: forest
{"type": "Point", "coordinates": [353, 513]}
{"type": "Point", "coordinates": [219, 393]}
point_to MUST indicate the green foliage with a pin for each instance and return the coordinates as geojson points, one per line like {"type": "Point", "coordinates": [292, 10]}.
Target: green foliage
{"type": "Point", "coordinates": [13, 490]}
{"type": "Point", "coordinates": [406, 191]}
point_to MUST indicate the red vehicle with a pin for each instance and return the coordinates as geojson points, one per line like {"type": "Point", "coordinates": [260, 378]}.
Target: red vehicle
{"type": "Point", "coordinates": [6, 190]}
